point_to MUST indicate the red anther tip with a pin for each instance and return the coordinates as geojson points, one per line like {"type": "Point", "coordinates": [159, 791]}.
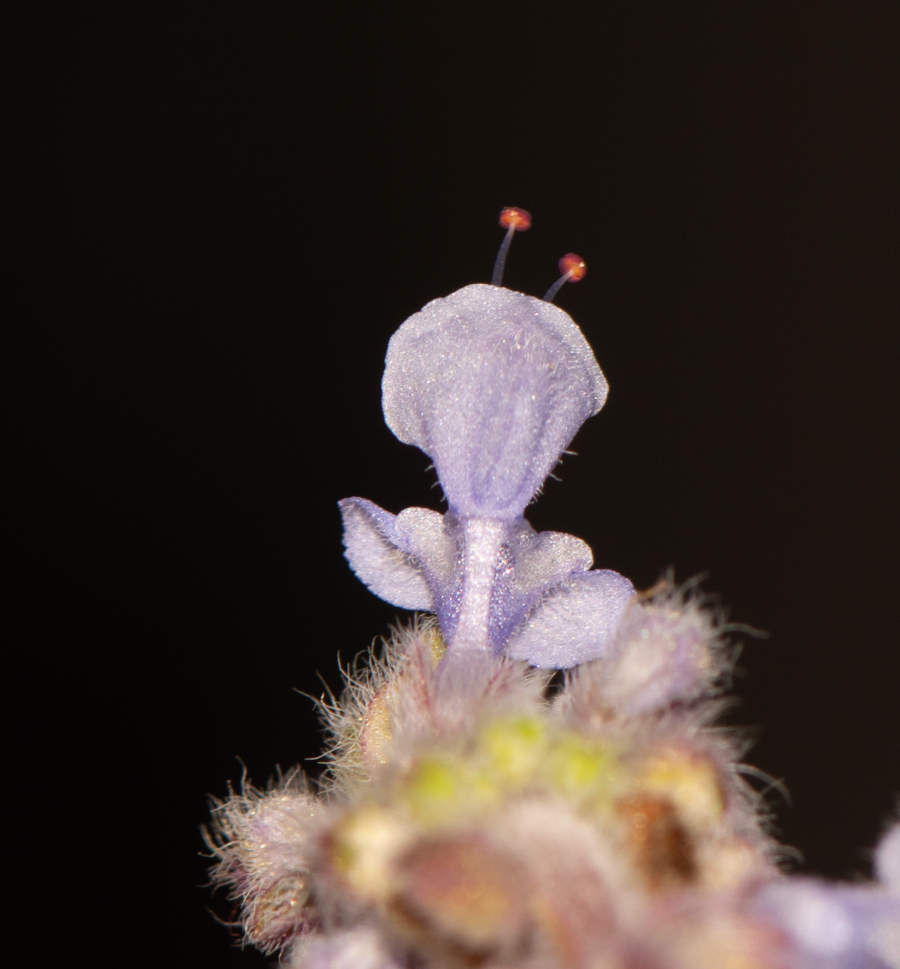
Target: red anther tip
{"type": "Point", "coordinates": [573, 266]}
{"type": "Point", "coordinates": [518, 218]}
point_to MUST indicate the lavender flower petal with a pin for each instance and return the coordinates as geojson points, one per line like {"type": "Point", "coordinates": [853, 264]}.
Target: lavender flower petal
{"type": "Point", "coordinates": [435, 543]}
{"type": "Point", "coordinates": [575, 622]}
{"type": "Point", "coordinates": [485, 578]}
{"type": "Point", "coordinates": [379, 557]}
{"type": "Point", "coordinates": [530, 564]}
{"type": "Point", "coordinates": [492, 385]}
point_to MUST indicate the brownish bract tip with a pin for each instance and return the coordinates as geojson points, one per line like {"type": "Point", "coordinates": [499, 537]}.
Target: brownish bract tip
{"type": "Point", "coordinates": [518, 218]}
{"type": "Point", "coordinates": [572, 266]}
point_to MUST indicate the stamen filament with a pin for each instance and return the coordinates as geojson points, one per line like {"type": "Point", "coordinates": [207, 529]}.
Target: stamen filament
{"type": "Point", "coordinates": [556, 287]}
{"type": "Point", "coordinates": [500, 261]}
{"type": "Point", "coordinates": [513, 220]}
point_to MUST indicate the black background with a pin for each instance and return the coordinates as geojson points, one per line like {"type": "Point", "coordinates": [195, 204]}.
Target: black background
{"type": "Point", "coordinates": [216, 220]}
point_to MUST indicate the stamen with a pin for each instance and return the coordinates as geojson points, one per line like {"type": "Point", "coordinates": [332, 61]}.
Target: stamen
{"type": "Point", "coordinates": [513, 220]}
{"type": "Point", "coordinates": [572, 268]}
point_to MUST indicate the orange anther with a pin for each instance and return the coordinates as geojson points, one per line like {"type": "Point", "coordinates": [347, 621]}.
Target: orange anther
{"type": "Point", "coordinates": [572, 266]}
{"type": "Point", "coordinates": [518, 218]}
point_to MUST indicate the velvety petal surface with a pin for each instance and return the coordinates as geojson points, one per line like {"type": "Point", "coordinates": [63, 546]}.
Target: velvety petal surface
{"type": "Point", "coordinates": [379, 557]}
{"type": "Point", "coordinates": [530, 564]}
{"type": "Point", "coordinates": [573, 622]}
{"type": "Point", "coordinates": [435, 542]}
{"type": "Point", "coordinates": [530, 584]}
{"type": "Point", "coordinates": [492, 385]}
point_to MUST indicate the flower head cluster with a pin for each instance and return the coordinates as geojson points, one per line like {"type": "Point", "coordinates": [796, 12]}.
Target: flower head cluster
{"type": "Point", "coordinates": [472, 814]}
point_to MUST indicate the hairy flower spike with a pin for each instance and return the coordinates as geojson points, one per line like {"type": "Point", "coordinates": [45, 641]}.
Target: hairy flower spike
{"type": "Point", "coordinates": [471, 816]}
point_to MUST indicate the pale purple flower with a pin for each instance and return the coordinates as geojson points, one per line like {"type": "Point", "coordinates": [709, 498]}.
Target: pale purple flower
{"type": "Point", "coordinates": [833, 925]}
{"type": "Point", "coordinates": [492, 385]}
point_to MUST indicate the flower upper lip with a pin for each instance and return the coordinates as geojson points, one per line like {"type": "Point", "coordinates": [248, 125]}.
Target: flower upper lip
{"type": "Point", "coordinates": [492, 385]}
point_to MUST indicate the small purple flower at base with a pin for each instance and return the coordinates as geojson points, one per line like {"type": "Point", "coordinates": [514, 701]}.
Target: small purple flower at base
{"type": "Point", "coordinates": [492, 385]}
{"type": "Point", "coordinates": [833, 926]}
